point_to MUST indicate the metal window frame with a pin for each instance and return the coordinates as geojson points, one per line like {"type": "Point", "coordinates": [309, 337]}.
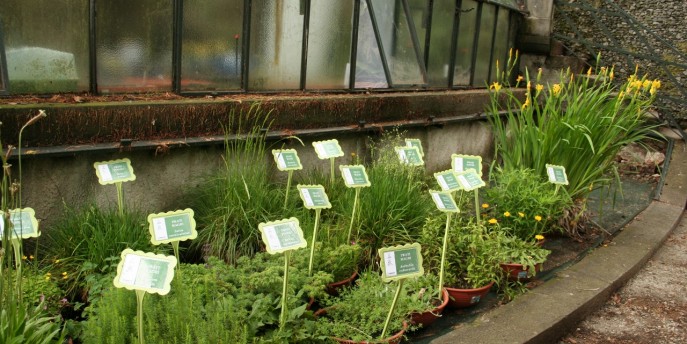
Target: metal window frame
{"type": "Point", "coordinates": [4, 79]}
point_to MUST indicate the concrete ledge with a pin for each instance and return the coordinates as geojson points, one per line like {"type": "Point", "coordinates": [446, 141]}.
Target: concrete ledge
{"type": "Point", "coordinates": [552, 309]}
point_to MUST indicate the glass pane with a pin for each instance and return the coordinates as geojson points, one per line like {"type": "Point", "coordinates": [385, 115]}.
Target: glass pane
{"type": "Point", "coordinates": [211, 45]}
{"type": "Point", "coordinates": [486, 31]}
{"type": "Point", "coordinates": [440, 43]}
{"type": "Point", "coordinates": [466, 38]}
{"type": "Point", "coordinates": [3, 65]}
{"type": "Point", "coordinates": [501, 43]}
{"type": "Point", "coordinates": [369, 72]}
{"type": "Point", "coordinates": [397, 43]}
{"type": "Point", "coordinates": [46, 45]}
{"type": "Point", "coordinates": [134, 45]}
{"type": "Point", "coordinates": [329, 45]}
{"type": "Point", "coordinates": [275, 45]}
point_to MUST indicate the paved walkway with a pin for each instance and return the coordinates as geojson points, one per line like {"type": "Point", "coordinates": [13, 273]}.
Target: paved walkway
{"type": "Point", "coordinates": [555, 308]}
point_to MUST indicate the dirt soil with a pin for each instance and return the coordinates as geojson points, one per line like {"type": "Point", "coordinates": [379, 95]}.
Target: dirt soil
{"type": "Point", "coordinates": [651, 308]}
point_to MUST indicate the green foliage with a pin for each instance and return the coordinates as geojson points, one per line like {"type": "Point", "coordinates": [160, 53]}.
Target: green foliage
{"type": "Point", "coordinates": [231, 202]}
{"type": "Point", "coordinates": [340, 261]}
{"type": "Point", "coordinates": [524, 203]}
{"type": "Point", "coordinates": [29, 326]}
{"type": "Point", "coordinates": [90, 240]}
{"type": "Point", "coordinates": [517, 251]}
{"type": "Point", "coordinates": [580, 123]}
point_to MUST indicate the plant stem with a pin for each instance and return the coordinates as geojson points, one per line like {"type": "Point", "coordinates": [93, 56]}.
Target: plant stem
{"type": "Point", "coordinates": [331, 172]}
{"type": "Point", "coordinates": [282, 316]}
{"type": "Point", "coordinates": [355, 206]}
{"type": "Point", "coordinates": [477, 214]}
{"type": "Point", "coordinates": [288, 186]}
{"type": "Point", "coordinates": [314, 239]}
{"type": "Point", "coordinates": [393, 305]}
{"type": "Point", "coordinates": [175, 247]}
{"type": "Point", "coordinates": [443, 252]}
{"type": "Point", "coordinates": [120, 198]}
{"type": "Point", "coordinates": [139, 312]}
{"type": "Point", "coordinates": [16, 247]}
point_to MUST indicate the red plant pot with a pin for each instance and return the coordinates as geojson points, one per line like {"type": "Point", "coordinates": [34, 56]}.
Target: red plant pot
{"type": "Point", "coordinates": [425, 319]}
{"type": "Point", "coordinates": [518, 272]}
{"type": "Point", "coordinates": [333, 288]}
{"type": "Point", "coordinates": [461, 298]}
{"type": "Point", "coordinates": [395, 339]}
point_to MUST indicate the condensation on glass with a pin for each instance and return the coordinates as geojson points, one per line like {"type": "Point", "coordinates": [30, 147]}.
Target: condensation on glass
{"type": "Point", "coordinates": [464, 46]}
{"type": "Point", "coordinates": [46, 45]}
{"type": "Point", "coordinates": [3, 64]}
{"type": "Point", "coordinates": [211, 53]}
{"type": "Point", "coordinates": [501, 46]}
{"type": "Point", "coordinates": [329, 44]}
{"type": "Point", "coordinates": [134, 45]}
{"type": "Point", "coordinates": [484, 40]}
{"type": "Point", "coordinates": [369, 71]}
{"type": "Point", "coordinates": [439, 61]}
{"type": "Point", "coordinates": [276, 40]}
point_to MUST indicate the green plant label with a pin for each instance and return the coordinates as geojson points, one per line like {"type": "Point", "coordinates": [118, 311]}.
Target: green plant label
{"type": "Point", "coordinates": [313, 196]}
{"type": "Point", "coordinates": [447, 180]}
{"type": "Point", "coordinates": [464, 163]}
{"type": "Point", "coordinates": [172, 226]}
{"type": "Point", "coordinates": [409, 156]}
{"type": "Point", "coordinates": [328, 149]}
{"type": "Point", "coordinates": [399, 262]}
{"type": "Point", "coordinates": [354, 176]}
{"type": "Point", "coordinates": [24, 224]}
{"type": "Point", "coordinates": [144, 271]}
{"type": "Point", "coordinates": [282, 235]}
{"type": "Point", "coordinates": [557, 174]}
{"type": "Point", "coordinates": [415, 143]}
{"type": "Point", "coordinates": [287, 159]}
{"type": "Point", "coordinates": [444, 201]}
{"type": "Point", "coordinates": [470, 180]}
{"type": "Point", "coordinates": [114, 171]}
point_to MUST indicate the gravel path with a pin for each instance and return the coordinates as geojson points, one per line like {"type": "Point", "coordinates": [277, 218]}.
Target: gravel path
{"type": "Point", "coordinates": [651, 308]}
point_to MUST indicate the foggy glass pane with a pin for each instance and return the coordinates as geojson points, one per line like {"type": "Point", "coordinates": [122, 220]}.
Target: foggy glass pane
{"type": "Point", "coordinates": [484, 46]}
{"type": "Point", "coordinates": [211, 45]}
{"type": "Point", "coordinates": [501, 43]}
{"type": "Point", "coordinates": [369, 72]}
{"type": "Point", "coordinates": [3, 65]}
{"type": "Point", "coordinates": [397, 43]}
{"type": "Point", "coordinates": [134, 45]}
{"type": "Point", "coordinates": [275, 45]}
{"type": "Point", "coordinates": [466, 38]}
{"type": "Point", "coordinates": [440, 43]}
{"type": "Point", "coordinates": [46, 45]}
{"type": "Point", "coordinates": [329, 45]}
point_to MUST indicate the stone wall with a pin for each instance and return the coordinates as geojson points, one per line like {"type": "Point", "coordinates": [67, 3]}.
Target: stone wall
{"type": "Point", "coordinates": [660, 33]}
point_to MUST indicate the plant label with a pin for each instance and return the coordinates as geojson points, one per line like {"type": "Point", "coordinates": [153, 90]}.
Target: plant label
{"type": "Point", "coordinates": [447, 180]}
{"type": "Point", "coordinates": [415, 143]}
{"type": "Point", "coordinates": [328, 149]}
{"type": "Point", "coordinates": [444, 201]}
{"type": "Point", "coordinates": [464, 163]}
{"type": "Point", "coordinates": [354, 176]}
{"type": "Point", "coordinates": [313, 196]}
{"type": "Point", "coordinates": [24, 224]}
{"type": "Point", "coordinates": [470, 180]}
{"type": "Point", "coordinates": [283, 235]}
{"type": "Point", "coordinates": [399, 262]}
{"type": "Point", "coordinates": [172, 226]}
{"type": "Point", "coordinates": [287, 159]}
{"type": "Point", "coordinates": [114, 171]}
{"type": "Point", "coordinates": [557, 174]}
{"type": "Point", "coordinates": [409, 156]}
{"type": "Point", "coordinates": [148, 272]}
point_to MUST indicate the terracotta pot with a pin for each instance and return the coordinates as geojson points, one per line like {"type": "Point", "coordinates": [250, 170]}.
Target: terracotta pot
{"type": "Point", "coordinates": [518, 272]}
{"type": "Point", "coordinates": [395, 339]}
{"type": "Point", "coordinates": [333, 288]}
{"type": "Point", "coordinates": [461, 298]}
{"type": "Point", "coordinates": [427, 318]}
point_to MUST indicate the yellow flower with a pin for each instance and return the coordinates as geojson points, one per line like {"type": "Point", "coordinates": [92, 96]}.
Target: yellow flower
{"type": "Point", "coordinates": [520, 78]}
{"type": "Point", "coordinates": [48, 274]}
{"type": "Point", "coordinates": [495, 86]}
{"type": "Point", "coordinates": [521, 214]}
{"type": "Point", "coordinates": [485, 205]}
{"type": "Point", "coordinates": [65, 277]}
{"type": "Point", "coordinates": [537, 218]}
{"type": "Point", "coordinates": [611, 75]}
{"type": "Point", "coordinates": [525, 104]}
{"type": "Point", "coordinates": [656, 84]}
{"type": "Point", "coordinates": [493, 221]}
{"type": "Point", "coordinates": [31, 257]}
{"type": "Point", "coordinates": [57, 261]}
{"type": "Point", "coordinates": [47, 278]}
{"type": "Point", "coordinates": [646, 84]}
{"type": "Point", "coordinates": [64, 273]}
{"type": "Point", "coordinates": [589, 71]}
{"type": "Point", "coordinates": [23, 257]}
{"type": "Point", "coordinates": [539, 237]}
{"type": "Point", "coordinates": [506, 214]}
{"type": "Point", "coordinates": [539, 87]}
{"type": "Point", "coordinates": [556, 89]}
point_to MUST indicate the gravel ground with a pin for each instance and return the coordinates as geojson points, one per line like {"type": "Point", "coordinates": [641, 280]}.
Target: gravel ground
{"type": "Point", "coordinates": [651, 308]}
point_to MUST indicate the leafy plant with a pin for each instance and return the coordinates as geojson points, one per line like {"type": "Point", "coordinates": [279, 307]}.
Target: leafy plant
{"type": "Point", "coordinates": [517, 251]}
{"type": "Point", "coordinates": [524, 203]}
{"type": "Point", "coordinates": [580, 123]}
{"type": "Point", "coordinates": [340, 261]}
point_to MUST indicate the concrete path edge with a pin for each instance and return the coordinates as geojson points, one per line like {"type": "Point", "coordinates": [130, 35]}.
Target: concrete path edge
{"type": "Point", "coordinates": [554, 308]}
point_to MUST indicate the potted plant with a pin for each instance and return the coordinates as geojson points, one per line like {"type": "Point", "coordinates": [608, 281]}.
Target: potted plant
{"type": "Point", "coordinates": [520, 259]}
{"type": "Point", "coordinates": [424, 288]}
{"type": "Point", "coordinates": [341, 261]}
{"type": "Point", "coordinates": [358, 314]}
{"type": "Point", "coordinates": [472, 263]}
